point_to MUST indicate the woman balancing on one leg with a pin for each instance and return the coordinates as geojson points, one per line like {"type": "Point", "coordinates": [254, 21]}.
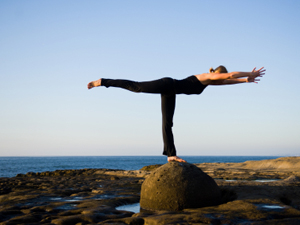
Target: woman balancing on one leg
{"type": "Point", "coordinates": [169, 87]}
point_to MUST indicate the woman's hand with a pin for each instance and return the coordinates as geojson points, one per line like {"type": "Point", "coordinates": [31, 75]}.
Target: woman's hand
{"type": "Point", "coordinates": [256, 73]}
{"type": "Point", "coordinates": [252, 80]}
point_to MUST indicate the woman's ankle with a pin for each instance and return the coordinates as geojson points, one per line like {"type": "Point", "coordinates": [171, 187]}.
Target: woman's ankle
{"type": "Point", "coordinates": [98, 82]}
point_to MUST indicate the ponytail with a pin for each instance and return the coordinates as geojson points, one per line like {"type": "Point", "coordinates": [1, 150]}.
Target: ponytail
{"type": "Point", "coordinates": [219, 69]}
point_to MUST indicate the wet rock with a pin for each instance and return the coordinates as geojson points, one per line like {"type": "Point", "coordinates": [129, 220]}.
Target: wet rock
{"type": "Point", "coordinates": [176, 186]}
{"type": "Point", "coordinates": [5, 190]}
{"type": "Point", "coordinates": [25, 219]}
{"type": "Point", "coordinates": [66, 220]}
{"type": "Point", "coordinates": [35, 209]}
{"type": "Point", "coordinates": [128, 220]}
{"type": "Point", "coordinates": [151, 167]}
{"type": "Point", "coordinates": [287, 221]}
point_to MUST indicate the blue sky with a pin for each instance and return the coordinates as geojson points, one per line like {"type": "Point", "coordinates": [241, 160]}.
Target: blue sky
{"type": "Point", "coordinates": [50, 50]}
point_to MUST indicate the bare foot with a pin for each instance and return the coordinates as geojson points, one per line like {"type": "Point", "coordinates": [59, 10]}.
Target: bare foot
{"type": "Point", "coordinates": [95, 83]}
{"type": "Point", "coordinates": [175, 158]}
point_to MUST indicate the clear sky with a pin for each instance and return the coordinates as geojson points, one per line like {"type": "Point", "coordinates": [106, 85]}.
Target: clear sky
{"type": "Point", "coordinates": [50, 50]}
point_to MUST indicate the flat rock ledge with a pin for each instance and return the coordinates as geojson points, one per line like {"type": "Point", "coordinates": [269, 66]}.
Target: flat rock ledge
{"type": "Point", "coordinates": [254, 192]}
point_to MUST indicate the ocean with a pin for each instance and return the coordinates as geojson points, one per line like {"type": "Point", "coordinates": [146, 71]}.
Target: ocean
{"type": "Point", "coordinates": [11, 166]}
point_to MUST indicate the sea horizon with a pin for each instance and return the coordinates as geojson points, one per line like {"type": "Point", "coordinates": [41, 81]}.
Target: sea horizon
{"type": "Point", "coordinates": [155, 156]}
{"type": "Point", "coordinates": [10, 166]}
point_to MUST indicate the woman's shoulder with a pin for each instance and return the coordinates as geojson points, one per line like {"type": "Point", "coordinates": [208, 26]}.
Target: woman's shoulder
{"type": "Point", "coordinates": [202, 74]}
{"type": "Point", "coordinates": [203, 77]}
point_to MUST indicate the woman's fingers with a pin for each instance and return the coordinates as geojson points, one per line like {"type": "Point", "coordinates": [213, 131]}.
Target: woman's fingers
{"type": "Point", "coordinates": [261, 70]}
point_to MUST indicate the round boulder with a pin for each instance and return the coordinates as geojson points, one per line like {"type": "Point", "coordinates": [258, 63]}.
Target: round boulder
{"type": "Point", "coordinates": [176, 186]}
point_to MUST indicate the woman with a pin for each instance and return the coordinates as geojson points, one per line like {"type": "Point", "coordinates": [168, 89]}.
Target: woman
{"type": "Point", "coordinates": [169, 87]}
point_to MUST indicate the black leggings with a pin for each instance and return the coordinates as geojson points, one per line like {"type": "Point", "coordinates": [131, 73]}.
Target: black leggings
{"type": "Point", "coordinates": [167, 88]}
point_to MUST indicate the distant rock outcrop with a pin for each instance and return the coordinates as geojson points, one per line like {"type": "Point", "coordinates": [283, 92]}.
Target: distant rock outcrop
{"type": "Point", "coordinates": [292, 179]}
{"type": "Point", "coordinates": [176, 186]}
{"type": "Point", "coordinates": [284, 163]}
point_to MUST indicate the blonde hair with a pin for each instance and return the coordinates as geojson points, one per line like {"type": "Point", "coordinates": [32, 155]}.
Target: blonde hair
{"type": "Point", "coordinates": [219, 69]}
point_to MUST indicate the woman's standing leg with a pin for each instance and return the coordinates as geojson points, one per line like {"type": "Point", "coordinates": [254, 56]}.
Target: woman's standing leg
{"type": "Point", "coordinates": [167, 109]}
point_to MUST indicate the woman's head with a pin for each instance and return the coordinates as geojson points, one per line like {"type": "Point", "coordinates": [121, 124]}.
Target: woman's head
{"type": "Point", "coordinates": [219, 69]}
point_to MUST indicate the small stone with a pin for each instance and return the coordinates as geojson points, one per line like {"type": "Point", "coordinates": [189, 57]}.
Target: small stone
{"type": "Point", "coordinates": [292, 179]}
{"type": "Point", "coordinates": [151, 167]}
{"type": "Point", "coordinates": [30, 174]}
{"type": "Point", "coordinates": [97, 191]}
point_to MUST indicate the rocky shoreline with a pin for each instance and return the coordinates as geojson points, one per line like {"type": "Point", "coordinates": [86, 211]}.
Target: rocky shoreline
{"type": "Point", "coordinates": [254, 192]}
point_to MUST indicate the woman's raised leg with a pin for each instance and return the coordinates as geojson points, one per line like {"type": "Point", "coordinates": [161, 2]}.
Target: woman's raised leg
{"type": "Point", "coordinates": [163, 85]}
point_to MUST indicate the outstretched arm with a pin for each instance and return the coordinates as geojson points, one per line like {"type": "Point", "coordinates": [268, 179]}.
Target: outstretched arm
{"type": "Point", "coordinates": [230, 78]}
{"type": "Point", "coordinates": [251, 78]}
{"type": "Point", "coordinates": [223, 76]}
{"type": "Point", "coordinates": [239, 81]}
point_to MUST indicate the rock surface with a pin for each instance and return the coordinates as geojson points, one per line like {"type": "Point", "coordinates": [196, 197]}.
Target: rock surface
{"type": "Point", "coordinates": [254, 192]}
{"type": "Point", "coordinates": [176, 186]}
